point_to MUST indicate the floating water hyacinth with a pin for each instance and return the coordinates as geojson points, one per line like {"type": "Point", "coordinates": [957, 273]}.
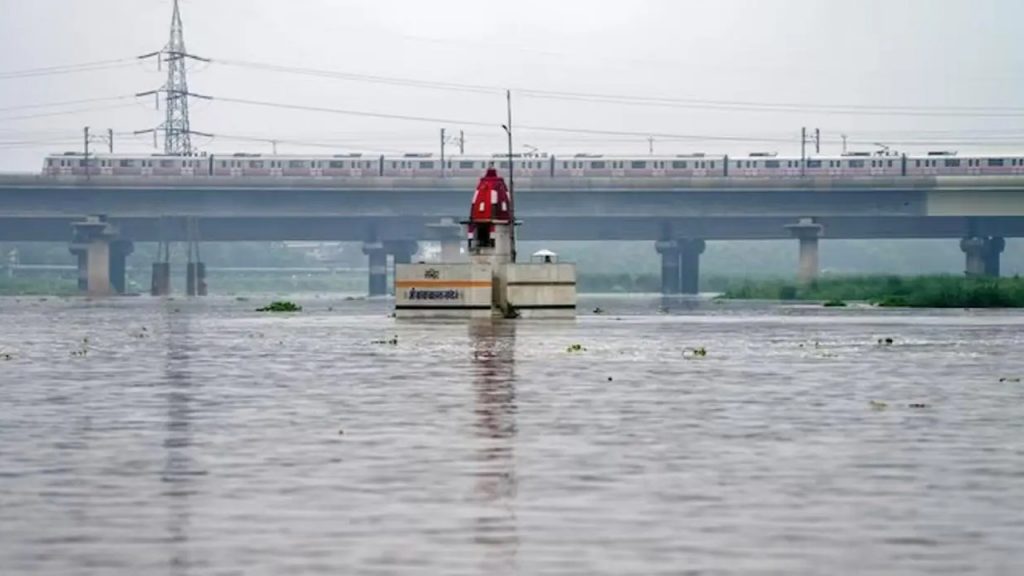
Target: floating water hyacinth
{"type": "Point", "coordinates": [281, 306]}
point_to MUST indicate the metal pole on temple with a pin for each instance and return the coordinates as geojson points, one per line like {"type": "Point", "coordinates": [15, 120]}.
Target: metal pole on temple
{"type": "Point", "coordinates": [511, 175]}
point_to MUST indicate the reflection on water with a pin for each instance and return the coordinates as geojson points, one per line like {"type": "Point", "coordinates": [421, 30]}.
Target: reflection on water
{"type": "Point", "coordinates": [201, 438]}
{"type": "Point", "coordinates": [494, 387]}
{"type": "Point", "coordinates": [180, 471]}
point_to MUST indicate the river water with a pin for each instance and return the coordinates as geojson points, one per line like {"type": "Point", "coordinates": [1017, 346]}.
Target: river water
{"type": "Point", "coordinates": [140, 436]}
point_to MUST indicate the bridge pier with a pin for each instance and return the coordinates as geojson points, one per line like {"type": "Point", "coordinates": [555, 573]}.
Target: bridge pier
{"type": "Point", "coordinates": [807, 232]}
{"type": "Point", "coordinates": [161, 279]}
{"type": "Point", "coordinates": [92, 239]}
{"type": "Point", "coordinates": [689, 265]}
{"type": "Point", "coordinates": [451, 236]}
{"type": "Point", "coordinates": [195, 279]}
{"type": "Point", "coordinates": [670, 251]}
{"type": "Point", "coordinates": [378, 281]}
{"type": "Point", "coordinates": [119, 251]}
{"type": "Point", "coordinates": [402, 251]}
{"type": "Point", "coordinates": [983, 255]}
{"type": "Point", "coordinates": [81, 254]}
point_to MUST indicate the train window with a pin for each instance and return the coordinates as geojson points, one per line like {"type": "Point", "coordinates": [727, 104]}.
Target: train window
{"type": "Point", "coordinates": [772, 164]}
{"type": "Point", "coordinates": [995, 162]}
{"type": "Point", "coordinates": [739, 164]}
{"type": "Point", "coordinates": [890, 164]}
{"type": "Point", "coordinates": [426, 165]}
{"type": "Point", "coordinates": [814, 163]}
{"type": "Point", "coordinates": [638, 164]}
{"type": "Point", "coordinates": [503, 165]}
{"type": "Point", "coordinates": [597, 165]}
{"type": "Point", "coordinates": [856, 164]}
{"type": "Point", "coordinates": [952, 163]}
{"type": "Point", "coordinates": [679, 164]}
{"type": "Point", "coordinates": [466, 165]}
{"type": "Point", "coordinates": [296, 164]}
{"type": "Point", "coordinates": [335, 164]}
{"type": "Point", "coordinates": [257, 164]}
{"type": "Point", "coordinates": [127, 164]}
{"type": "Point", "coordinates": [167, 163]}
{"type": "Point", "coordinates": [712, 164]}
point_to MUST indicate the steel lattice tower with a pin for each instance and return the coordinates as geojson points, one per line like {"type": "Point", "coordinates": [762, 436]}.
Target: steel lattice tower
{"type": "Point", "coordinates": [176, 127]}
{"type": "Point", "coordinates": [177, 134]}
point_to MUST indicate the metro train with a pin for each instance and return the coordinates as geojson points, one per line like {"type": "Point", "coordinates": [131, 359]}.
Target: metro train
{"type": "Point", "coordinates": [357, 166]}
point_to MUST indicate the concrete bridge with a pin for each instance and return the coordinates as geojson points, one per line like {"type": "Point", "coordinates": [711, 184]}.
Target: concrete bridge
{"type": "Point", "coordinates": [390, 215]}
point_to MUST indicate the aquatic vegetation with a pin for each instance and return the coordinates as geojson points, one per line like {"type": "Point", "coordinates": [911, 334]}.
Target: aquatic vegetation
{"type": "Point", "coordinates": [598, 311]}
{"type": "Point", "coordinates": [1006, 379]}
{"type": "Point", "coordinates": [281, 306]}
{"type": "Point", "coordinates": [891, 291]}
{"type": "Point", "coordinates": [877, 405]}
{"type": "Point", "coordinates": [834, 303]}
{"type": "Point", "coordinates": [6, 356]}
{"type": "Point", "coordinates": [575, 348]}
{"type": "Point", "coordinates": [700, 352]}
{"type": "Point", "coordinates": [389, 342]}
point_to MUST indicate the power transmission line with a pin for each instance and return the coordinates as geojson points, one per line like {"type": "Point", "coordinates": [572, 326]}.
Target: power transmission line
{"type": "Point", "coordinates": [67, 112]}
{"type": "Point", "coordinates": [653, 101]}
{"type": "Point", "coordinates": [66, 69]}
{"type": "Point", "coordinates": [65, 103]}
{"type": "Point", "coordinates": [437, 120]}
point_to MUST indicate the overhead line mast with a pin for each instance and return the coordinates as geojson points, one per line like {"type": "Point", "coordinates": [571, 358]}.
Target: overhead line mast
{"type": "Point", "coordinates": [177, 127]}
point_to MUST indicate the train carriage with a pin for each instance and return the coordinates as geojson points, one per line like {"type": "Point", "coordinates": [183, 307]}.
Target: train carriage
{"type": "Point", "coordinates": [532, 166]}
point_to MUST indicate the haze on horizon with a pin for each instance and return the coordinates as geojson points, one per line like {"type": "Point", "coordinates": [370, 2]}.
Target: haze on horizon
{"type": "Point", "coordinates": [927, 56]}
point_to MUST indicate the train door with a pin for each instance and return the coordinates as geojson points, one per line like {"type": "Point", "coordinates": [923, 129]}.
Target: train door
{"type": "Point", "coordinates": [316, 169]}
{"type": "Point", "coordinates": [659, 168]}
{"type": "Point", "coordinates": [576, 169]}
{"type": "Point", "coordinates": [618, 168]}
{"type": "Point", "coordinates": [877, 168]}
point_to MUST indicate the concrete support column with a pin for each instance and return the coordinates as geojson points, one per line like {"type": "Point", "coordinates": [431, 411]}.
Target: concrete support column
{"type": "Point", "coordinates": [378, 281]}
{"type": "Point", "coordinates": [689, 265]}
{"type": "Point", "coordinates": [119, 252]}
{"type": "Point", "coordinates": [195, 279]}
{"type": "Point", "coordinates": [670, 252]}
{"type": "Point", "coordinates": [982, 255]}
{"type": "Point", "coordinates": [95, 234]}
{"type": "Point", "coordinates": [81, 254]}
{"type": "Point", "coordinates": [161, 285]}
{"type": "Point", "coordinates": [451, 236]}
{"type": "Point", "coordinates": [807, 232]}
{"type": "Point", "coordinates": [996, 246]}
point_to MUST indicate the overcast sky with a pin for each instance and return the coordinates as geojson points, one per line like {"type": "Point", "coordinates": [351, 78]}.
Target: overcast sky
{"type": "Point", "coordinates": [919, 54]}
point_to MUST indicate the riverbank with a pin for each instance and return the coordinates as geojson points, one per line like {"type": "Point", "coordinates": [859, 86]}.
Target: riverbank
{"type": "Point", "coordinates": [889, 291]}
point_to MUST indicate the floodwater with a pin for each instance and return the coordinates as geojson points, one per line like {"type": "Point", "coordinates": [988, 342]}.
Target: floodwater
{"type": "Point", "coordinates": [140, 436]}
